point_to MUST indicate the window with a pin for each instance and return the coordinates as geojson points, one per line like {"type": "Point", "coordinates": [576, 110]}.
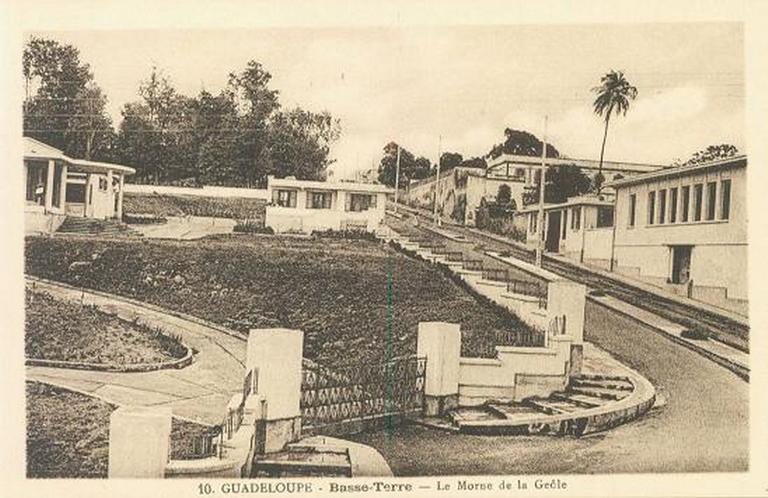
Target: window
{"type": "Point", "coordinates": [698, 193]}
{"type": "Point", "coordinates": [632, 208]}
{"type": "Point", "coordinates": [284, 198]}
{"type": "Point", "coordinates": [711, 198]}
{"type": "Point", "coordinates": [534, 222]}
{"type": "Point", "coordinates": [673, 205]}
{"type": "Point", "coordinates": [360, 202]}
{"type": "Point", "coordinates": [685, 202]}
{"type": "Point", "coordinates": [662, 206]}
{"type": "Point", "coordinates": [576, 218]}
{"type": "Point", "coordinates": [103, 184]}
{"type": "Point", "coordinates": [725, 199]}
{"type": "Point", "coordinates": [75, 193]}
{"type": "Point", "coordinates": [604, 216]}
{"type": "Point", "coordinates": [651, 206]}
{"type": "Point", "coordinates": [318, 200]}
{"type": "Point", "coordinates": [565, 223]}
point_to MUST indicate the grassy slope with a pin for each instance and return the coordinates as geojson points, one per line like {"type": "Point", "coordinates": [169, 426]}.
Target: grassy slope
{"type": "Point", "coordinates": [68, 434]}
{"type": "Point", "coordinates": [60, 330]}
{"type": "Point", "coordinates": [180, 205]}
{"type": "Point", "coordinates": [336, 291]}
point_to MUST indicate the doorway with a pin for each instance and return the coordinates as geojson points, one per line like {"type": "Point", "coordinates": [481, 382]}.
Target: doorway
{"type": "Point", "coordinates": [681, 264]}
{"type": "Point", "coordinates": [553, 232]}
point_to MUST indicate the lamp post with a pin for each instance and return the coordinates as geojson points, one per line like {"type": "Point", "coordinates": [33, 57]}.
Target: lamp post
{"type": "Point", "coordinates": [540, 214]}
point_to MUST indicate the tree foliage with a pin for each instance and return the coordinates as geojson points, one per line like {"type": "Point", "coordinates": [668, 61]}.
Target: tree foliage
{"type": "Point", "coordinates": [711, 153]}
{"type": "Point", "coordinates": [504, 195]}
{"type": "Point", "coordinates": [63, 106]}
{"type": "Point", "coordinates": [411, 168]}
{"type": "Point", "coordinates": [521, 143]}
{"type": "Point", "coordinates": [562, 182]}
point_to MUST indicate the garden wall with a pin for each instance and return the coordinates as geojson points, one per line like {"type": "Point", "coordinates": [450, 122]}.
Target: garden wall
{"type": "Point", "coordinates": [204, 191]}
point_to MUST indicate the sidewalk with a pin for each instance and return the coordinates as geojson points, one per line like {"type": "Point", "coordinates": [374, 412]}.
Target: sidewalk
{"type": "Point", "coordinates": [199, 392]}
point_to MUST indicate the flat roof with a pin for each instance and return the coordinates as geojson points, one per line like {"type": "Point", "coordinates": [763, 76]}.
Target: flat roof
{"type": "Point", "coordinates": [573, 201]}
{"type": "Point", "coordinates": [678, 171]}
{"type": "Point", "coordinates": [37, 150]}
{"type": "Point", "coordinates": [318, 185]}
{"type": "Point", "coordinates": [582, 163]}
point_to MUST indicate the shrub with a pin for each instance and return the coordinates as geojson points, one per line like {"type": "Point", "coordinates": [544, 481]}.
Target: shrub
{"type": "Point", "coordinates": [143, 219]}
{"type": "Point", "coordinates": [252, 226]}
{"type": "Point", "coordinates": [345, 234]}
{"type": "Point", "coordinates": [697, 333]}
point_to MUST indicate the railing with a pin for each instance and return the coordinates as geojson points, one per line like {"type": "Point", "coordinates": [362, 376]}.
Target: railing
{"type": "Point", "coordinates": [515, 338]}
{"type": "Point", "coordinates": [207, 445]}
{"type": "Point", "coordinates": [454, 256]}
{"type": "Point", "coordinates": [496, 274]}
{"type": "Point", "coordinates": [234, 418]}
{"type": "Point", "coordinates": [557, 326]}
{"type": "Point", "coordinates": [473, 264]}
{"type": "Point", "coordinates": [529, 289]}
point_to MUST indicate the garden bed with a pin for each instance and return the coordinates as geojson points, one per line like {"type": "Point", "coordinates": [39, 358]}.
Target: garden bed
{"type": "Point", "coordinates": [68, 434]}
{"type": "Point", "coordinates": [63, 331]}
{"type": "Point", "coordinates": [336, 290]}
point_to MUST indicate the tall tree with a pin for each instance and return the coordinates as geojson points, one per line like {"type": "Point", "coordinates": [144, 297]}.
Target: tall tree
{"type": "Point", "coordinates": [563, 181]}
{"type": "Point", "coordinates": [613, 97]}
{"type": "Point", "coordinates": [450, 160]}
{"type": "Point", "coordinates": [63, 105]}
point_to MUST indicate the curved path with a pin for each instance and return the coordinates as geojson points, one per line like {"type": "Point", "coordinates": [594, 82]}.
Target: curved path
{"type": "Point", "coordinates": [199, 392]}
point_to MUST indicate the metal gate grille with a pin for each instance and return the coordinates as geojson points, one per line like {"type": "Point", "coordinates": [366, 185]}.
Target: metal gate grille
{"type": "Point", "coordinates": [360, 391]}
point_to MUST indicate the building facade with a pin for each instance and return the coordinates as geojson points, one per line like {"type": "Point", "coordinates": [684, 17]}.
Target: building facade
{"type": "Point", "coordinates": [306, 206]}
{"type": "Point", "coordinates": [685, 229]}
{"type": "Point", "coordinates": [580, 229]}
{"type": "Point", "coordinates": [57, 186]}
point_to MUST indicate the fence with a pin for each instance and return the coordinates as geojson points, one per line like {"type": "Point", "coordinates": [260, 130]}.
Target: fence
{"type": "Point", "coordinates": [454, 256]}
{"type": "Point", "coordinates": [516, 338]}
{"type": "Point", "coordinates": [331, 397]}
{"type": "Point", "coordinates": [207, 445]}
{"type": "Point", "coordinates": [234, 418]}
{"type": "Point", "coordinates": [473, 264]}
{"type": "Point", "coordinates": [496, 274]}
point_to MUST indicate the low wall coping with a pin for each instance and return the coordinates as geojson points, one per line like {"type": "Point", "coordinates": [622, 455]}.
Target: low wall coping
{"type": "Point", "coordinates": [199, 466]}
{"type": "Point", "coordinates": [526, 350]}
{"type": "Point", "coordinates": [489, 362]}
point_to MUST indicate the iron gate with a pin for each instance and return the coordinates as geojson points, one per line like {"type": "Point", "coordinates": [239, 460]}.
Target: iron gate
{"type": "Point", "coordinates": [349, 398]}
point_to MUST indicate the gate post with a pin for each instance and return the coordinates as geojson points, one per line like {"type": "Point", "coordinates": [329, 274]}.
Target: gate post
{"type": "Point", "coordinates": [440, 343]}
{"type": "Point", "coordinates": [569, 298]}
{"type": "Point", "coordinates": [277, 354]}
{"type": "Point", "coordinates": [139, 442]}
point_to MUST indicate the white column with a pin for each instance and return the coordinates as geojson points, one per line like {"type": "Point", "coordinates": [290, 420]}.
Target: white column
{"type": "Point", "coordinates": [276, 357]}
{"type": "Point", "coordinates": [63, 187]}
{"type": "Point", "coordinates": [49, 186]}
{"type": "Point", "coordinates": [440, 344]}
{"type": "Point", "coordinates": [110, 194]}
{"type": "Point", "coordinates": [119, 213]}
{"type": "Point", "coordinates": [139, 440]}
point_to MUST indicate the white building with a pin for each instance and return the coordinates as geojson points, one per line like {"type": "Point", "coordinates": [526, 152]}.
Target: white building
{"type": "Point", "coordinates": [580, 228]}
{"type": "Point", "coordinates": [306, 206]}
{"type": "Point", "coordinates": [685, 229]}
{"type": "Point", "coordinates": [57, 186]}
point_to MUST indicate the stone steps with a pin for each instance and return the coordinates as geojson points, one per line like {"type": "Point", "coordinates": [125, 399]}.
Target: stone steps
{"type": "Point", "coordinates": [91, 226]}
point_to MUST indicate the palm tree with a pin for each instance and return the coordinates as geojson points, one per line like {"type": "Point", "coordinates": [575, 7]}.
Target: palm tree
{"type": "Point", "coordinates": [613, 96]}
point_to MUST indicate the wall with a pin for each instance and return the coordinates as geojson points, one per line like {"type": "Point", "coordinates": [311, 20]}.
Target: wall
{"type": "Point", "coordinates": [205, 191]}
{"type": "Point", "coordinates": [37, 221]}
{"type": "Point", "coordinates": [479, 187]}
{"type": "Point", "coordinates": [301, 219]}
{"type": "Point", "coordinates": [515, 374]}
{"type": "Point", "coordinates": [719, 255]}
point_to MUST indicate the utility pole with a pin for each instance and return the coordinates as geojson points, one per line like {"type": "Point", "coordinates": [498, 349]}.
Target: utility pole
{"type": "Point", "coordinates": [540, 214]}
{"type": "Point", "coordinates": [397, 176]}
{"type": "Point", "coordinates": [437, 180]}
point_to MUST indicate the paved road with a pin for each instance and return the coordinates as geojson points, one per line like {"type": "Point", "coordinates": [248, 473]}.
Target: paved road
{"type": "Point", "coordinates": [702, 427]}
{"type": "Point", "coordinates": [199, 392]}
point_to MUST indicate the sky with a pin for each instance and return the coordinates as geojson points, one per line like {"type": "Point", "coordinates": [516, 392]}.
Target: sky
{"type": "Point", "coordinates": [457, 88]}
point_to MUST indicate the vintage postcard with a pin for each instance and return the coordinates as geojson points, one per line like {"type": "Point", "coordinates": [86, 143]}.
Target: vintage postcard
{"type": "Point", "coordinates": [367, 250]}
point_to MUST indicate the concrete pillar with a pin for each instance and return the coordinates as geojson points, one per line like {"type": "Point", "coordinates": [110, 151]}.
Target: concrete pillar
{"type": "Point", "coordinates": [276, 355]}
{"type": "Point", "coordinates": [49, 185]}
{"type": "Point", "coordinates": [440, 343]}
{"type": "Point", "coordinates": [63, 187]}
{"type": "Point", "coordinates": [110, 194]}
{"type": "Point", "coordinates": [139, 441]}
{"type": "Point", "coordinates": [568, 298]}
{"type": "Point", "coordinates": [119, 213]}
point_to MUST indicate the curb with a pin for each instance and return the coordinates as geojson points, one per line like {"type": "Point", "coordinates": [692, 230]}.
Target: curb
{"type": "Point", "coordinates": [111, 367]}
{"type": "Point", "coordinates": [740, 370]}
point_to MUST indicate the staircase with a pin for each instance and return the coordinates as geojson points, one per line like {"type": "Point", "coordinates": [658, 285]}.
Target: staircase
{"type": "Point", "coordinates": [584, 392]}
{"type": "Point", "coordinates": [92, 226]}
{"type": "Point", "coordinates": [304, 460]}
